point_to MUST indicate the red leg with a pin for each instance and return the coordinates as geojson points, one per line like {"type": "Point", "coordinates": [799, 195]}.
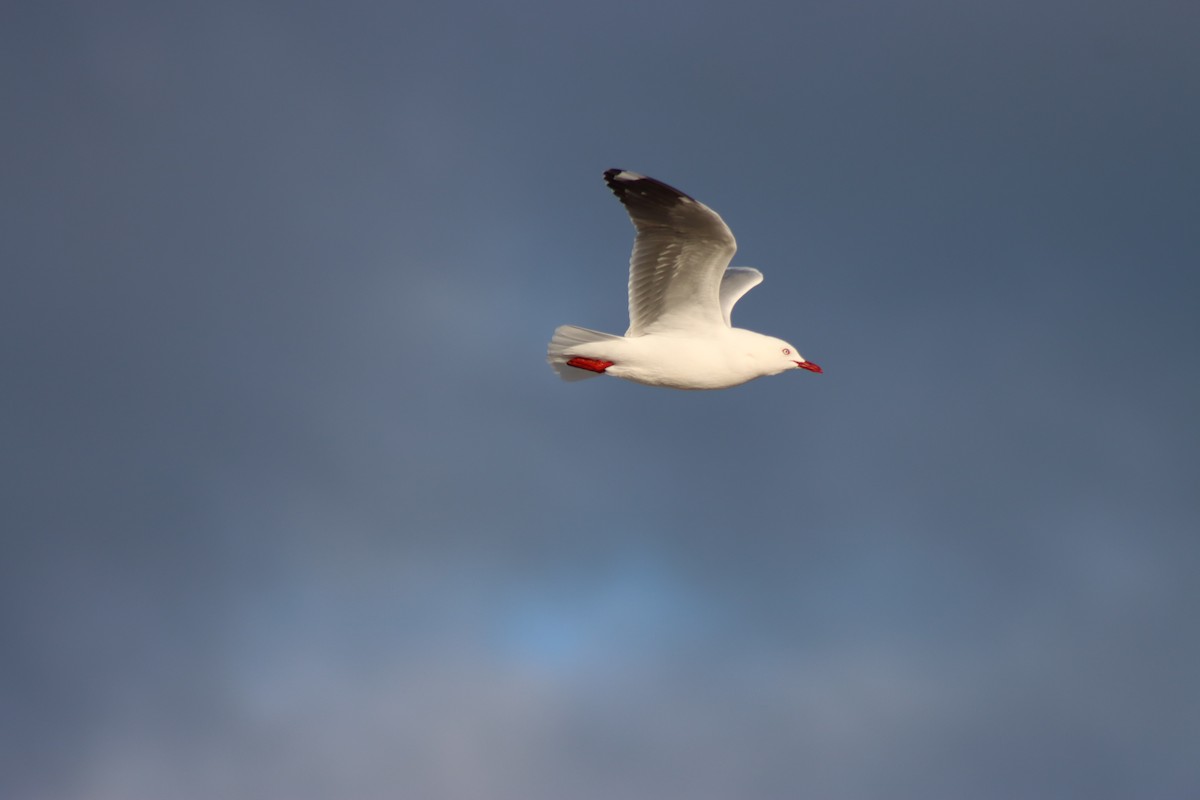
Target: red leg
{"type": "Point", "coordinates": [593, 364]}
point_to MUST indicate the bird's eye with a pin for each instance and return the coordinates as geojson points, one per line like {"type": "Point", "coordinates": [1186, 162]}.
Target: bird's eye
{"type": "Point", "coordinates": [787, 352]}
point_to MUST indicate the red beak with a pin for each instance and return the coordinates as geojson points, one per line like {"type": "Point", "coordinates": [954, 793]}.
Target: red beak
{"type": "Point", "coordinates": [808, 365]}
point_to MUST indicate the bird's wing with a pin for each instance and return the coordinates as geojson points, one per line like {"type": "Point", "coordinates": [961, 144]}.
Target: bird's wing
{"type": "Point", "coordinates": [680, 253]}
{"type": "Point", "coordinates": [734, 283]}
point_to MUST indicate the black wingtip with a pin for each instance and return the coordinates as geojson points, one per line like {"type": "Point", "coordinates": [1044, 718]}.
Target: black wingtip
{"type": "Point", "coordinates": [630, 185]}
{"type": "Point", "coordinates": [620, 185]}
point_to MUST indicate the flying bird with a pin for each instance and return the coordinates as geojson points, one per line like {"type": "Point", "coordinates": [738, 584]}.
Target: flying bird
{"type": "Point", "coordinates": [681, 294]}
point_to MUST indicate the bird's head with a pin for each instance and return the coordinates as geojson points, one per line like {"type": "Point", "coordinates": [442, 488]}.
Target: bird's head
{"type": "Point", "coordinates": [782, 356]}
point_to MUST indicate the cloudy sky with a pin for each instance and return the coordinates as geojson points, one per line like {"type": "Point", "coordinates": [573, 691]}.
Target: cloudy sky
{"type": "Point", "coordinates": [294, 508]}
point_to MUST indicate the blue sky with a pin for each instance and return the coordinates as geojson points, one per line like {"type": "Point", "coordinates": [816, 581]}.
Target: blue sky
{"type": "Point", "coordinates": [295, 508]}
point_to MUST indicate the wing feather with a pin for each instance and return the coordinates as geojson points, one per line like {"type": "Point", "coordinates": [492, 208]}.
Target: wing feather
{"type": "Point", "coordinates": [679, 256]}
{"type": "Point", "coordinates": [734, 284]}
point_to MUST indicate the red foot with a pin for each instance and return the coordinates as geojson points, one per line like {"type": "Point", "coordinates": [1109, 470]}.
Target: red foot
{"type": "Point", "coordinates": [593, 364]}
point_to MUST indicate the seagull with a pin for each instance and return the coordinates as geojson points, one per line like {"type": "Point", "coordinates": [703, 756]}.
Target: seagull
{"type": "Point", "coordinates": [681, 294]}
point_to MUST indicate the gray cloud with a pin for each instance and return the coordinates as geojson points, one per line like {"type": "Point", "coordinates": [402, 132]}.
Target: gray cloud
{"type": "Point", "coordinates": [295, 509]}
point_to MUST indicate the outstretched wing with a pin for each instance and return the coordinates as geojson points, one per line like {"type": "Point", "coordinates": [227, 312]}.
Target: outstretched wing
{"type": "Point", "coordinates": [734, 283]}
{"type": "Point", "coordinates": [679, 257]}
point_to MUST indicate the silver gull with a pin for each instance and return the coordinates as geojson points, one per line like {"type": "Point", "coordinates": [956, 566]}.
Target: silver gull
{"type": "Point", "coordinates": [681, 293]}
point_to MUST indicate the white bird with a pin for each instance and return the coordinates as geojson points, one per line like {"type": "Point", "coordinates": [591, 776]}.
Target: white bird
{"type": "Point", "coordinates": [681, 293]}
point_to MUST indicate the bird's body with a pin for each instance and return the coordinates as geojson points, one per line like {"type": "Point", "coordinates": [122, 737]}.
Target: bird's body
{"type": "Point", "coordinates": [681, 294]}
{"type": "Point", "coordinates": [716, 360]}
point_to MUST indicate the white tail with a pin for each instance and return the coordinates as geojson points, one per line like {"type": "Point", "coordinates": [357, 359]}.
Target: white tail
{"type": "Point", "coordinates": [561, 350]}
